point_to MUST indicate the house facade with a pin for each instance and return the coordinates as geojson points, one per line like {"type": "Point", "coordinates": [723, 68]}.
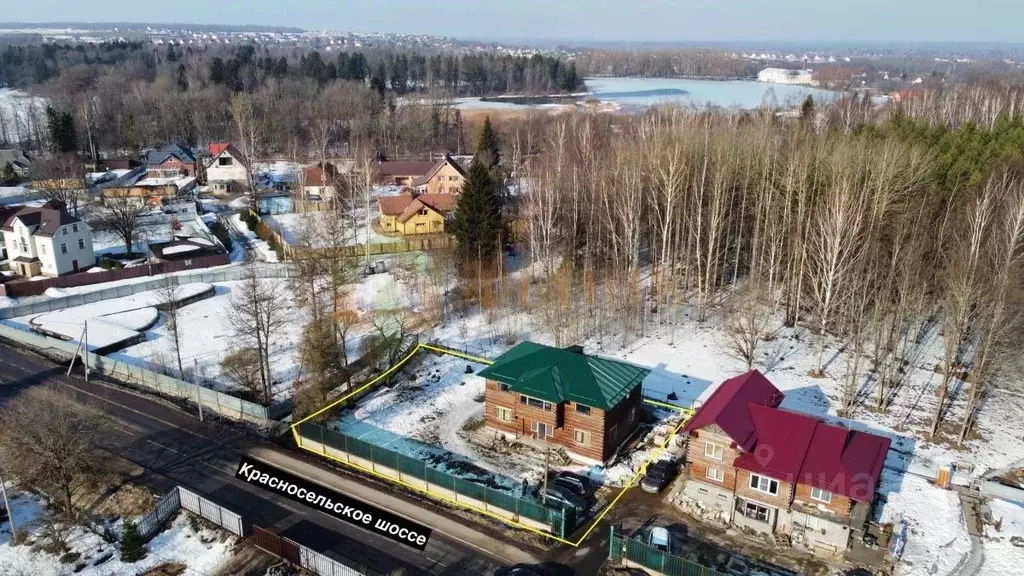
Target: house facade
{"type": "Point", "coordinates": [585, 404]}
{"type": "Point", "coordinates": [408, 214]}
{"type": "Point", "coordinates": [775, 472]}
{"type": "Point", "coordinates": [227, 171]}
{"type": "Point", "coordinates": [320, 180]}
{"type": "Point", "coordinates": [47, 242]}
{"type": "Point", "coordinates": [402, 172]}
{"type": "Point", "coordinates": [445, 177]}
{"type": "Point", "coordinates": [173, 161]}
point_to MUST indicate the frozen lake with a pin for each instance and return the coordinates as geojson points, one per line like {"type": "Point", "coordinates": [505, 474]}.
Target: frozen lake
{"type": "Point", "coordinates": [638, 93]}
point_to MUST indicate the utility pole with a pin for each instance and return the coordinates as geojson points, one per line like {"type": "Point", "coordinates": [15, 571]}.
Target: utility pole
{"type": "Point", "coordinates": [10, 513]}
{"type": "Point", "coordinates": [199, 398]}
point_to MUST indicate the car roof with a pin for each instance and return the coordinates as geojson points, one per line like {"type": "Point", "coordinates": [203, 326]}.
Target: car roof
{"type": "Point", "coordinates": [659, 535]}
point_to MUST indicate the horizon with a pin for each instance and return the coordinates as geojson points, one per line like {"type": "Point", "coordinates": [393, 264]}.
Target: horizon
{"type": "Point", "coordinates": [599, 21]}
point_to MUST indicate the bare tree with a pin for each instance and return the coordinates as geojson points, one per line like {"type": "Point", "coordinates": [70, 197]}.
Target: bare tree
{"type": "Point", "coordinates": [258, 312]}
{"type": "Point", "coordinates": [52, 442]}
{"type": "Point", "coordinates": [121, 214]}
{"type": "Point", "coordinates": [169, 293]}
{"type": "Point", "coordinates": [243, 367]}
{"type": "Point", "coordinates": [748, 323]}
{"type": "Point", "coordinates": [61, 179]}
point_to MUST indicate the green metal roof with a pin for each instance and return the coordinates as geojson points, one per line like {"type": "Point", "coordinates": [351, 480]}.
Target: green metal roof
{"type": "Point", "coordinates": [559, 375]}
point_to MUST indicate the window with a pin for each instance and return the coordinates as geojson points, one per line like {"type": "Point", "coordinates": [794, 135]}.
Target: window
{"type": "Point", "coordinates": [81, 244]}
{"type": "Point", "coordinates": [63, 248]}
{"type": "Point", "coordinates": [504, 414]}
{"type": "Point", "coordinates": [821, 495]}
{"type": "Point", "coordinates": [581, 436]}
{"type": "Point", "coordinates": [503, 387]}
{"type": "Point", "coordinates": [582, 409]}
{"type": "Point", "coordinates": [453, 178]}
{"type": "Point", "coordinates": [423, 211]}
{"type": "Point", "coordinates": [74, 227]}
{"type": "Point", "coordinates": [716, 474]}
{"type": "Point", "coordinates": [523, 399]}
{"type": "Point", "coordinates": [541, 430]}
{"type": "Point", "coordinates": [702, 490]}
{"type": "Point", "coordinates": [224, 161]}
{"type": "Point", "coordinates": [721, 497]}
{"type": "Point", "coordinates": [762, 484]}
{"type": "Point", "coordinates": [757, 512]}
{"type": "Point", "coordinates": [64, 231]}
{"type": "Point", "coordinates": [712, 450]}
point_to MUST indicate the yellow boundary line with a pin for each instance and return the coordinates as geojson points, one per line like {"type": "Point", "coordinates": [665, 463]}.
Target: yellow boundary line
{"type": "Point", "coordinates": [687, 413]}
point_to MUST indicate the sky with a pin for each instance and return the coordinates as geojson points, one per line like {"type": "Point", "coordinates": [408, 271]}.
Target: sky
{"type": "Point", "coordinates": [579, 20]}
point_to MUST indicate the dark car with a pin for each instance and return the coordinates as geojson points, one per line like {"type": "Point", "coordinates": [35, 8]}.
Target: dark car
{"type": "Point", "coordinates": [579, 485]}
{"type": "Point", "coordinates": [563, 497]}
{"type": "Point", "coordinates": [545, 569]}
{"type": "Point", "coordinates": [659, 475]}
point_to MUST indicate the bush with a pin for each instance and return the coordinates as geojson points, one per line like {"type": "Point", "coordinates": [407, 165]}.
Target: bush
{"type": "Point", "coordinates": [133, 547]}
{"type": "Point", "coordinates": [221, 233]}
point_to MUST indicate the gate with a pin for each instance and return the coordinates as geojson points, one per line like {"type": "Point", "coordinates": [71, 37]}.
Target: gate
{"type": "Point", "coordinates": [281, 547]}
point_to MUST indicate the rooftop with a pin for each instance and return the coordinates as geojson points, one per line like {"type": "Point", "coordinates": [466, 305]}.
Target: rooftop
{"type": "Point", "coordinates": [559, 375]}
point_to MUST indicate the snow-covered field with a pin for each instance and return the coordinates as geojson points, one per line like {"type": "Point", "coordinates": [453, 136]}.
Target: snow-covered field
{"type": "Point", "coordinates": [200, 552]}
{"type": "Point", "coordinates": [355, 228]}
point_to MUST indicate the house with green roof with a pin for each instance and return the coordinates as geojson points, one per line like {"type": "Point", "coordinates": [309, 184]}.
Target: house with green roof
{"type": "Point", "coordinates": [586, 404]}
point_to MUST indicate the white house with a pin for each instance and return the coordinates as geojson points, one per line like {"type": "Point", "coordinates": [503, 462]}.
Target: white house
{"type": "Point", "coordinates": [227, 170]}
{"type": "Point", "coordinates": [47, 241]}
{"type": "Point", "coordinates": [784, 76]}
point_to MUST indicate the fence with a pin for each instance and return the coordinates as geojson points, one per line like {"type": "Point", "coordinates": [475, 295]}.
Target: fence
{"type": "Point", "coordinates": [211, 400]}
{"type": "Point", "coordinates": [179, 498]}
{"type": "Point", "coordinates": [419, 475]}
{"type": "Point", "coordinates": [228, 274]}
{"type": "Point", "coordinates": [299, 555]}
{"type": "Point", "coordinates": [34, 288]}
{"type": "Point", "coordinates": [633, 552]}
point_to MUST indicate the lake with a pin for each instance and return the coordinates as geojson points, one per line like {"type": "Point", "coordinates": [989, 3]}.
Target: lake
{"type": "Point", "coordinates": [639, 93]}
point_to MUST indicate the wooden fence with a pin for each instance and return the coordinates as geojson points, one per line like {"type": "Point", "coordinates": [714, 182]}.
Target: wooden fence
{"type": "Point", "coordinates": [302, 556]}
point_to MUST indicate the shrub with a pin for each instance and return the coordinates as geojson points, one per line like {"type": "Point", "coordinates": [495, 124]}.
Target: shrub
{"type": "Point", "coordinates": [133, 547]}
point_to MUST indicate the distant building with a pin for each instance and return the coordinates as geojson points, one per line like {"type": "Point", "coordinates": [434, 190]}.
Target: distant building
{"type": "Point", "coordinates": [227, 171]}
{"type": "Point", "coordinates": [445, 177]}
{"type": "Point", "coordinates": [411, 213]}
{"type": "Point", "coordinates": [47, 241]}
{"type": "Point", "coordinates": [172, 161]}
{"type": "Point", "coordinates": [784, 76]}
{"type": "Point", "coordinates": [402, 172]}
{"type": "Point", "coordinates": [320, 180]}
{"type": "Point", "coordinates": [18, 160]}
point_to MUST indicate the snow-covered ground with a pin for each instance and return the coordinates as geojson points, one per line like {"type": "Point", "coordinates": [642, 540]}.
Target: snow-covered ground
{"type": "Point", "coordinates": [266, 253]}
{"type": "Point", "coordinates": [110, 321]}
{"type": "Point", "coordinates": [1004, 550]}
{"type": "Point", "coordinates": [201, 553]}
{"type": "Point", "coordinates": [355, 227]}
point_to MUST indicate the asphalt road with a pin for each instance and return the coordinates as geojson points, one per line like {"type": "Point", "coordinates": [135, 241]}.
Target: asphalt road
{"type": "Point", "coordinates": [173, 447]}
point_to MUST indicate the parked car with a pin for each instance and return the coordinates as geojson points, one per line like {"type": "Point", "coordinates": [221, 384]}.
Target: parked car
{"type": "Point", "coordinates": [665, 539]}
{"type": "Point", "coordinates": [659, 475]}
{"type": "Point", "coordinates": [563, 497]}
{"type": "Point", "coordinates": [580, 485]}
{"type": "Point", "coordinates": [543, 569]}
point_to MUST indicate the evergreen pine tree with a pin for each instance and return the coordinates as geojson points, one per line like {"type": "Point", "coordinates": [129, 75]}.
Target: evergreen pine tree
{"type": "Point", "coordinates": [133, 548]}
{"type": "Point", "coordinates": [8, 177]}
{"type": "Point", "coordinates": [477, 217]}
{"type": "Point", "coordinates": [807, 109]}
{"type": "Point", "coordinates": [488, 149]}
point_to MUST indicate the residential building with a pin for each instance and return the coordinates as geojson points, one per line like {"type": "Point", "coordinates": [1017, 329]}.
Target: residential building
{"type": "Point", "coordinates": [47, 241]}
{"type": "Point", "coordinates": [172, 161]}
{"type": "Point", "coordinates": [18, 160]}
{"type": "Point", "coordinates": [772, 471]}
{"type": "Point", "coordinates": [412, 213]}
{"type": "Point", "coordinates": [320, 181]}
{"type": "Point", "coordinates": [445, 177]}
{"type": "Point", "coordinates": [227, 170]}
{"type": "Point", "coordinates": [149, 190]}
{"type": "Point", "coordinates": [585, 404]}
{"type": "Point", "coordinates": [785, 76]}
{"type": "Point", "coordinates": [402, 172]}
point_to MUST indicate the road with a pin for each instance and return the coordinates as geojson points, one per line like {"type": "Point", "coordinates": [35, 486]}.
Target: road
{"type": "Point", "coordinates": [172, 447]}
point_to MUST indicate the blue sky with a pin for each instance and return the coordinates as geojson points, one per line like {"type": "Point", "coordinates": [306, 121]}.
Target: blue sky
{"type": "Point", "coordinates": [605, 20]}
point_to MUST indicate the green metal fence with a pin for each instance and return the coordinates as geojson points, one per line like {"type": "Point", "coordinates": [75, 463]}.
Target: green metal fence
{"type": "Point", "coordinates": [561, 523]}
{"type": "Point", "coordinates": [622, 547]}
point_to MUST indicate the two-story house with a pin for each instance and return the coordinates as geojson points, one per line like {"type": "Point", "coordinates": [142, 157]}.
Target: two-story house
{"type": "Point", "coordinates": [585, 404]}
{"type": "Point", "coordinates": [774, 471]}
{"type": "Point", "coordinates": [320, 181]}
{"type": "Point", "coordinates": [172, 161]}
{"type": "Point", "coordinates": [47, 241]}
{"type": "Point", "coordinates": [401, 172]}
{"type": "Point", "coordinates": [445, 177]}
{"type": "Point", "coordinates": [227, 170]}
{"type": "Point", "coordinates": [409, 214]}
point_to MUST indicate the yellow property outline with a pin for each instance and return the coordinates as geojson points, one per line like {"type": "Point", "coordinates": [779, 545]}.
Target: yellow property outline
{"type": "Point", "coordinates": [687, 413]}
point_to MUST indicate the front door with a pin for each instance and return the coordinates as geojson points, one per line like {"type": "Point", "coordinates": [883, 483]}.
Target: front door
{"type": "Point", "coordinates": [74, 265]}
{"type": "Point", "coordinates": [543, 430]}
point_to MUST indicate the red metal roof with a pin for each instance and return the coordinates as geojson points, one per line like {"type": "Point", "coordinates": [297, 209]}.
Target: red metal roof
{"type": "Point", "coordinates": [789, 446]}
{"type": "Point", "coordinates": [728, 407]}
{"type": "Point", "coordinates": [217, 147]}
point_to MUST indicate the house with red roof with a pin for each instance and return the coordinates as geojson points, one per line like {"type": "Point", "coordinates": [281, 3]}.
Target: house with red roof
{"type": "Point", "coordinates": [413, 213]}
{"type": "Point", "coordinates": [227, 169]}
{"type": "Point", "coordinates": [773, 471]}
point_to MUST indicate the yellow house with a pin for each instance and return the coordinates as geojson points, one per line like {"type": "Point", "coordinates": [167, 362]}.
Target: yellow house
{"type": "Point", "coordinates": [445, 177]}
{"type": "Point", "coordinates": [410, 214]}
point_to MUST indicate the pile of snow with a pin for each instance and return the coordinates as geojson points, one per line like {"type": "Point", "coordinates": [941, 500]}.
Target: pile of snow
{"type": "Point", "coordinates": [379, 292]}
{"type": "Point", "coordinates": [183, 248]}
{"type": "Point", "coordinates": [936, 534]}
{"type": "Point", "coordinates": [201, 553]}
{"type": "Point", "coordinates": [1004, 550]}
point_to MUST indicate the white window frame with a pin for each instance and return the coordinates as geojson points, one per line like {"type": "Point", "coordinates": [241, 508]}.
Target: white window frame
{"type": "Point", "coordinates": [581, 437]}
{"type": "Point", "coordinates": [583, 409]}
{"type": "Point", "coordinates": [714, 473]}
{"type": "Point", "coordinates": [501, 412]}
{"type": "Point", "coordinates": [63, 248]}
{"type": "Point", "coordinates": [822, 495]}
{"type": "Point", "coordinates": [713, 447]}
{"type": "Point", "coordinates": [548, 429]}
{"type": "Point", "coordinates": [74, 227]}
{"type": "Point", "coordinates": [81, 244]}
{"type": "Point", "coordinates": [757, 510]}
{"type": "Point", "coordinates": [756, 482]}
